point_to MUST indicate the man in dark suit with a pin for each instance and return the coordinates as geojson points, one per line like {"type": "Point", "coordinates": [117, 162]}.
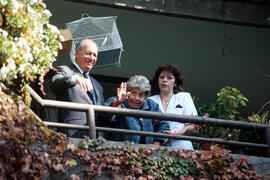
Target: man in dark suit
{"type": "Point", "coordinates": [73, 83]}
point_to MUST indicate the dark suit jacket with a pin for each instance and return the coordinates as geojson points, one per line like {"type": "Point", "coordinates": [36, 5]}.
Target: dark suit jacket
{"type": "Point", "coordinates": [64, 90]}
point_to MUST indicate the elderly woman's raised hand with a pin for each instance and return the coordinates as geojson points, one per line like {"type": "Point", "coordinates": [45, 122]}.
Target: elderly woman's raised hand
{"type": "Point", "coordinates": [122, 95]}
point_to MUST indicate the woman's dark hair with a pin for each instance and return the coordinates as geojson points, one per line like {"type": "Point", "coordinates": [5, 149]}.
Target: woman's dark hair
{"type": "Point", "coordinates": [179, 79]}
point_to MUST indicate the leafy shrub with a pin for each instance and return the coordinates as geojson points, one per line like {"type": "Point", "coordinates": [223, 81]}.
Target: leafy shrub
{"type": "Point", "coordinates": [28, 43]}
{"type": "Point", "coordinates": [225, 106]}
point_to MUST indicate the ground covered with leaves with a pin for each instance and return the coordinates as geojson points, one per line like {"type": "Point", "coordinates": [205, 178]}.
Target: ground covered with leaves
{"type": "Point", "coordinates": [29, 150]}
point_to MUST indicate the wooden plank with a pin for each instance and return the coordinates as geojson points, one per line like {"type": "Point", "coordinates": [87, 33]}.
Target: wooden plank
{"type": "Point", "coordinates": [243, 12]}
{"type": "Point", "coordinates": [67, 43]}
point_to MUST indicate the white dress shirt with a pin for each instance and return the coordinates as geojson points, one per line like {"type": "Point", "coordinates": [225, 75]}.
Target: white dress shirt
{"type": "Point", "coordinates": [182, 104]}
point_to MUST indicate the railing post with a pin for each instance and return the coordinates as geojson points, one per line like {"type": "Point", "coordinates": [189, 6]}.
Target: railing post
{"type": "Point", "coordinates": [267, 140]}
{"type": "Point", "coordinates": [91, 123]}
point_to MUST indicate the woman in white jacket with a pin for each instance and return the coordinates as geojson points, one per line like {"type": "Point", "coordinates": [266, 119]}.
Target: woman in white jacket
{"type": "Point", "coordinates": [167, 89]}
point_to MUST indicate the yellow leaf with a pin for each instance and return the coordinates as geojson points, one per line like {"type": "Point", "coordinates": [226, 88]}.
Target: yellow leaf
{"type": "Point", "coordinates": [72, 163]}
{"type": "Point", "coordinates": [243, 103]}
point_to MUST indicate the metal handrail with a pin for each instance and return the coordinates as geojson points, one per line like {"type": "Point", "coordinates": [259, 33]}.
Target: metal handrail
{"type": "Point", "coordinates": [91, 109]}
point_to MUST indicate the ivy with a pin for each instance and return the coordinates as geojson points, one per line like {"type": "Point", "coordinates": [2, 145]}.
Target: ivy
{"type": "Point", "coordinates": [29, 150]}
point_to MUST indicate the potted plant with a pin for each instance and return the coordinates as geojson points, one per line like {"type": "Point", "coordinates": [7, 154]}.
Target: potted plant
{"type": "Point", "coordinates": [225, 106]}
{"type": "Point", "coordinates": [253, 135]}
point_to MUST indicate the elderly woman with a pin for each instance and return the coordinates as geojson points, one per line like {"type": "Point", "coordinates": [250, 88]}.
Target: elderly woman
{"type": "Point", "coordinates": [133, 95]}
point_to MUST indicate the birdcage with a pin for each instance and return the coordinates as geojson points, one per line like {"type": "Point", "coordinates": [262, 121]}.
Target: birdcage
{"type": "Point", "coordinates": [104, 32]}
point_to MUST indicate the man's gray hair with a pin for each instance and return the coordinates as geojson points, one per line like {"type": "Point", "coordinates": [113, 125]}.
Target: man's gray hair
{"type": "Point", "coordinates": [141, 82]}
{"type": "Point", "coordinates": [80, 45]}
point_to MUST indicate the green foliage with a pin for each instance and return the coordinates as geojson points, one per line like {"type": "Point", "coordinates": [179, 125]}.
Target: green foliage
{"type": "Point", "coordinates": [28, 43]}
{"type": "Point", "coordinates": [151, 163]}
{"type": "Point", "coordinates": [229, 99]}
{"type": "Point", "coordinates": [179, 167]}
{"type": "Point", "coordinates": [215, 132]}
{"type": "Point", "coordinates": [91, 144]}
{"type": "Point", "coordinates": [263, 119]}
{"type": "Point", "coordinates": [135, 162]}
{"type": "Point", "coordinates": [253, 135]}
{"type": "Point", "coordinates": [225, 106]}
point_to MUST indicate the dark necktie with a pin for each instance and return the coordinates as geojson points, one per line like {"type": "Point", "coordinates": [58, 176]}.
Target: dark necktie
{"type": "Point", "coordinates": [85, 75]}
{"type": "Point", "coordinates": [92, 93]}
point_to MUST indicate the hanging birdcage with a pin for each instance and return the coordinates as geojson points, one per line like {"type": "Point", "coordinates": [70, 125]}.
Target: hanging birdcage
{"type": "Point", "coordinates": [104, 32]}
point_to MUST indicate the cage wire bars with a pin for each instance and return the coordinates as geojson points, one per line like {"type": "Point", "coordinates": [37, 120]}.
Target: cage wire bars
{"type": "Point", "coordinates": [104, 32]}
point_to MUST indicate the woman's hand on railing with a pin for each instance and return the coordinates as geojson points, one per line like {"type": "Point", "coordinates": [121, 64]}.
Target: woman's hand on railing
{"type": "Point", "coordinates": [168, 132]}
{"type": "Point", "coordinates": [180, 132]}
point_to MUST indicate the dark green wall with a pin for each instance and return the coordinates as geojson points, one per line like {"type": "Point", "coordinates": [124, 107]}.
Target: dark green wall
{"type": "Point", "coordinates": [150, 40]}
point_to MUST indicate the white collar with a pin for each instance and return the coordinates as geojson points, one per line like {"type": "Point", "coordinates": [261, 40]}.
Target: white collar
{"type": "Point", "coordinates": [81, 71]}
